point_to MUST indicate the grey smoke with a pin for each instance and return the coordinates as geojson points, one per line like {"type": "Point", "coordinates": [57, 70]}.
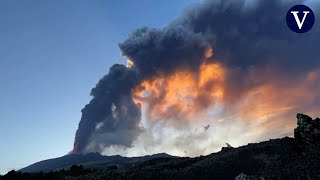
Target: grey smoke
{"type": "Point", "coordinates": [111, 117]}
{"type": "Point", "coordinates": [244, 38]}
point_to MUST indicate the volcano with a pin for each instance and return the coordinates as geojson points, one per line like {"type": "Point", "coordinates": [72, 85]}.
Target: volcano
{"type": "Point", "coordinates": [90, 160]}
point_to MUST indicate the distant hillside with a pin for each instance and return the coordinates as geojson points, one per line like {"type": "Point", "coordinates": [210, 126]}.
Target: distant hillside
{"type": "Point", "coordinates": [90, 160]}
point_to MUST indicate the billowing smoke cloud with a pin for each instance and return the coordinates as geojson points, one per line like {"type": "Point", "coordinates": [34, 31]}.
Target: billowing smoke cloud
{"type": "Point", "coordinates": [111, 117]}
{"type": "Point", "coordinates": [228, 60]}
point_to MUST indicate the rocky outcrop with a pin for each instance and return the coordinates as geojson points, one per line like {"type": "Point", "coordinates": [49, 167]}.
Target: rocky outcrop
{"type": "Point", "coordinates": [308, 130]}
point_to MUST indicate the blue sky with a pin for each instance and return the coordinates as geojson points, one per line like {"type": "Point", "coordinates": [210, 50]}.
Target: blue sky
{"type": "Point", "coordinates": [51, 54]}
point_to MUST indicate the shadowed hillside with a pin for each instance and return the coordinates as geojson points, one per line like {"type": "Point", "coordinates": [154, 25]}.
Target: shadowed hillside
{"type": "Point", "coordinates": [90, 160]}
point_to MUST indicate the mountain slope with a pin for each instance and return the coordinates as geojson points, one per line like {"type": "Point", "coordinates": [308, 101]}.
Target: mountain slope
{"type": "Point", "coordinates": [90, 160]}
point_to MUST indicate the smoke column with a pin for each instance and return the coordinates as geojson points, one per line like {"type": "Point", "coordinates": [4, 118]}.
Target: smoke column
{"type": "Point", "coordinates": [111, 117]}
{"type": "Point", "coordinates": [227, 51]}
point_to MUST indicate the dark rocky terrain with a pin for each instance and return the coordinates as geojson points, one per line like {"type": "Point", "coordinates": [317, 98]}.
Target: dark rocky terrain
{"type": "Point", "coordinates": [286, 158]}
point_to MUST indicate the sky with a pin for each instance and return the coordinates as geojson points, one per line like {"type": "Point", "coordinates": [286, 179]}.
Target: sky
{"type": "Point", "coordinates": [51, 54]}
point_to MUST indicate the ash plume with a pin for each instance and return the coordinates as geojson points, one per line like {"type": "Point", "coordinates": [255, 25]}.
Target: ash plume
{"type": "Point", "coordinates": [260, 59]}
{"type": "Point", "coordinates": [111, 117]}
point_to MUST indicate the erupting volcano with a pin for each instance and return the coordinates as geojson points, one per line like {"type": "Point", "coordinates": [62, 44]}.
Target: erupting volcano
{"type": "Point", "coordinates": [219, 64]}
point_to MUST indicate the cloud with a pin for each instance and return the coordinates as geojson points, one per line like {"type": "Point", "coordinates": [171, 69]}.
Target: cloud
{"type": "Point", "coordinates": [228, 63]}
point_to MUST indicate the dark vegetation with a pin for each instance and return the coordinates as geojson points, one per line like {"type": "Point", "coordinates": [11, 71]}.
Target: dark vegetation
{"type": "Point", "coordinates": [286, 158]}
{"type": "Point", "coordinates": [74, 171]}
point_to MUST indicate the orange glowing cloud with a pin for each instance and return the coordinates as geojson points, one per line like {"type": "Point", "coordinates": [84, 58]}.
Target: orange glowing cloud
{"type": "Point", "coordinates": [182, 94]}
{"type": "Point", "coordinates": [263, 97]}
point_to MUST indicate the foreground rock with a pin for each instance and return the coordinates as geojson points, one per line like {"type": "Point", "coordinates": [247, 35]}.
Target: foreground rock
{"type": "Point", "coordinates": [308, 130]}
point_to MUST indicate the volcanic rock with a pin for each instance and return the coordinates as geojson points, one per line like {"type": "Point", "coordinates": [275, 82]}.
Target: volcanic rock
{"type": "Point", "coordinates": [308, 130]}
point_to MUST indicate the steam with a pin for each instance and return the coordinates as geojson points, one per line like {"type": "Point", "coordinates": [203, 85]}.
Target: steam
{"type": "Point", "coordinates": [268, 73]}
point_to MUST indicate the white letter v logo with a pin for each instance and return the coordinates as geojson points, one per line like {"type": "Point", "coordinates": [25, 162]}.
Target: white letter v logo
{"type": "Point", "coordinates": [299, 23]}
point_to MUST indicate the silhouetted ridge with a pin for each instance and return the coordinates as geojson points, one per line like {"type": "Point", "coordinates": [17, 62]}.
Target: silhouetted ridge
{"type": "Point", "coordinates": [94, 160]}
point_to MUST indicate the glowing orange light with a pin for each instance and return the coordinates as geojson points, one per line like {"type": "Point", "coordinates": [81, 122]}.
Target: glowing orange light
{"type": "Point", "coordinates": [181, 94]}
